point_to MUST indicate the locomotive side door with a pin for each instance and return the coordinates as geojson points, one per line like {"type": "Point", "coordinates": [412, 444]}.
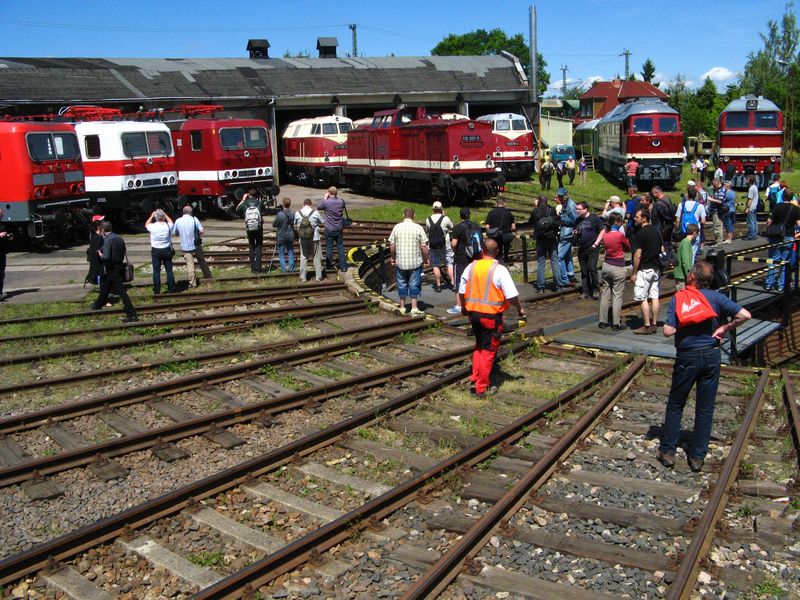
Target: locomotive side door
{"type": "Point", "coordinates": [436, 151]}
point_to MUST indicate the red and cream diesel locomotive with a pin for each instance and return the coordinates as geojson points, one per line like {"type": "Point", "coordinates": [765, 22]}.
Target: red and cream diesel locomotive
{"type": "Point", "coordinates": [750, 141]}
{"type": "Point", "coordinates": [513, 144]}
{"type": "Point", "coordinates": [221, 158]}
{"type": "Point", "coordinates": [412, 154]}
{"type": "Point", "coordinates": [315, 150]}
{"type": "Point", "coordinates": [648, 130]}
{"type": "Point", "coordinates": [41, 171]}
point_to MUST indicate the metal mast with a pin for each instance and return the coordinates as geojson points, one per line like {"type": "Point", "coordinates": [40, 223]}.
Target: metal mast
{"type": "Point", "coordinates": [355, 39]}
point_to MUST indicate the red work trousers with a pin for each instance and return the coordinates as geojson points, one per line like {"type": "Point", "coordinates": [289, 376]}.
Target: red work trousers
{"type": "Point", "coordinates": [487, 330]}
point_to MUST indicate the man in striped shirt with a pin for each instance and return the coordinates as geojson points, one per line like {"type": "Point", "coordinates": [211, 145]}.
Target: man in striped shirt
{"type": "Point", "coordinates": [408, 245]}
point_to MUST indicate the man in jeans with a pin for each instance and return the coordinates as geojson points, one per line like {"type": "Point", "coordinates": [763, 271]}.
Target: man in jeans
{"type": "Point", "coordinates": [788, 215]}
{"type": "Point", "coordinates": [334, 224]}
{"type": "Point", "coordinates": [189, 230]}
{"type": "Point", "coordinates": [646, 271]}
{"type": "Point", "coordinates": [569, 216]}
{"type": "Point", "coordinates": [697, 361]}
{"type": "Point", "coordinates": [752, 208]}
{"type": "Point", "coordinates": [545, 226]}
{"type": "Point", "coordinates": [408, 246]}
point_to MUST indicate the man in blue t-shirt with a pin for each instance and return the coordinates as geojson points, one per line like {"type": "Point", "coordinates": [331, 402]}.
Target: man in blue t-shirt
{"type": "Point", "coordinates": [697, 361]}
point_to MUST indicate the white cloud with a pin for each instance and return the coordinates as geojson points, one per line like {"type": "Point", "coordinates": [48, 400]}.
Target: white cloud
{"type": "Point", "coordinates": [718, 74]}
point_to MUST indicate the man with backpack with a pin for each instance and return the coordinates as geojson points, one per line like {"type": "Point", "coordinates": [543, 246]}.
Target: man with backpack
{"type": "Point", "coordinates": [690, 212]}
{"type": "Point", "coordinates": [251, 208]}
{"type": "Point", "coordinates": [500, 227]}
{"type": "Point", "coordinates": [439, 227]}
{"type": "Point", "coordinates": [698, 317]}
{"type": "Point", "coordinates": [284, 236]}
{"type": "Point", "coordinates": [467, 245]}
{"type": "Point", "coordinates": [546, 225]}
{"type": "Point", "coordinates": [307, 222]}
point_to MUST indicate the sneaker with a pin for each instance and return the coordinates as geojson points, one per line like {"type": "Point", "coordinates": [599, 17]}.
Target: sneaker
{"type": "Point", "coordinates": [645, 330]}
{"type": "Point", "coordinates": [602, 325]}
{"type": "Point", "coordinates": [695, 464]}
{"type": "Point", "coordinates": [617, 327]}
{"type": "Point", "coordinates": [132, 319]}
{"type": "Point", "coordinates": [490, 391]}
{"type": "Point", "coordinates": [454, 310]}
{"type": "Point", "coordinates": [595, 295]}
{"type": "Point", "coordinates": [3, 297]}
{"type": "Point", "coordinates": [538, 290]}
{"type": "Point", "coordinates": [415, 312]}
{"type": "Point", "coordinates": [727, 242]}
{"type": "Point", "coordinates": [437, 288]}
{"type": "Point", "coordinates": [668, 460]}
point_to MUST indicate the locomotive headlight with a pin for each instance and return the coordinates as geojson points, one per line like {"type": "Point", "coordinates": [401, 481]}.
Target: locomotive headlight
{"type": "Point", "coordinates": [268, 171]}
{"type": "Point", "coordinates": [38, 193]}
{"type": "Point", "coordinates": [455, 157]}
{"type": "Point", "coordinates": [456, 165]}
{"type": "Point", "coordinates": [172, 179]}
{"type": "Point", "coordinates": [489, 164]}
{"type": "Point", "coordinates": [235, 174]}
{"type": "Point", "coordinates": [488, 156]}
{"type": "Point", "coordinates": [260, 172]}
{"type": "Point", "coordinates": [471, 125]}
{"type": "Point", "coordinates": [772, 159]}
{"type": "Point", "coordinates": [130, 184]}
{"type": "Point", "coordinates": [327, 159]}
{"type": "Point", "coordinates": [227, 175]}
{"type": "Point", "coordinates": [80, 188]}
{"type": "Point", "coordinates": [138, 183]}
{"type": "Point", "coordinates": [325, 153]}
{"type": "Point", "coordinates": [727, 158]}
{"type": "Point", "coordinates": [497, 149]}
{"type": "Point", "coordinates": [163, 181]}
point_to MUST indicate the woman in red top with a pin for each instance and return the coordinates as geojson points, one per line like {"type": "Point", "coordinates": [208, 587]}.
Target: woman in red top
{"type": "Point", "coordinates": [612, 278]}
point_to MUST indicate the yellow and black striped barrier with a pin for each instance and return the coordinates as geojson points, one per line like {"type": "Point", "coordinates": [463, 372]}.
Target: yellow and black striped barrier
{"type": "Point", "coordinates": [758, 259]}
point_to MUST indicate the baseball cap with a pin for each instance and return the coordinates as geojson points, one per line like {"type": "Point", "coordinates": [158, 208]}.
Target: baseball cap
{"type": "Point", "coordinates": [97, 218]}
{"type": "Point", "coordinates": [561, 192]}
{"type": "Point", "coordinates": [437, 205]}
{"type": "Point", "coordinates": [690, 183]}
{"type": "Point", "coordinates": [614, 199]}
{"type": "Point", "coordinates": [464, 212]}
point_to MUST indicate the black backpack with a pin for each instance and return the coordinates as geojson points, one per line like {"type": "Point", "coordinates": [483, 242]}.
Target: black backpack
{"type": "Point", "coordinates": [436, 238]}
{"type": "Point", "coordinates": [547, 226]}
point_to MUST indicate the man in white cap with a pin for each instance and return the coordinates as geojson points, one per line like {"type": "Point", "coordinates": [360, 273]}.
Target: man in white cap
{"type": "Point", "coordinates": [439, 226]}
{"type": "Point", "coordinates": [614, 205]}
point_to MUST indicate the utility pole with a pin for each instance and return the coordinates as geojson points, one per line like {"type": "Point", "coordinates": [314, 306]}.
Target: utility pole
{"type": "Point", "coordinates": [534, 91]}
{"type": "Point", "coordinates": [355, 39]}
{"type": "Point", "coordinates": [564, 70]}
{"type": "Point", "coordinates": [627, 54]}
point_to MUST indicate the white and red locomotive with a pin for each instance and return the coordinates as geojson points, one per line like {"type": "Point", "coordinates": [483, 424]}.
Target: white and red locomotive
{"type": "Point", "coordinates": [221, 158]}
{"type": "Point", "coordinates": [417, 155]}
{"type": "Point", "coordinates": [750, 141]}
{"type": "Point", "coordinates": [648, 130]}
{"type": "Point", "coordinates": [315, 150]}
{"type": "Point", "coordinates": [513, 144]}
{"type": "Point", "coordinates": [42, 178]}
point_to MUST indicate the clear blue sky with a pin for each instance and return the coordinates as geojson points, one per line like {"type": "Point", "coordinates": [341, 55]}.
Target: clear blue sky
{"type": "Point", "coordinates": [694, 38]}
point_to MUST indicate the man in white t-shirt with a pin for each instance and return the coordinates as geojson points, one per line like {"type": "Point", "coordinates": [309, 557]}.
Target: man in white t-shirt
{"type": "Point", "coordinates": [189, 230]}
{"type": "Point", "coordinates": [160, 227]}
{"type": "Point", "coordinates": [752, 208]}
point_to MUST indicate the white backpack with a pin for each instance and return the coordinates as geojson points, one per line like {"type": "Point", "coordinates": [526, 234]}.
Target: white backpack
{"type": "Point", "coordinates": [252, 218]}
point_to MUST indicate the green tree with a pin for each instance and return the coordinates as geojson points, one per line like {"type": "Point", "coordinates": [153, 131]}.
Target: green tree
{"type": "Point", "coordinates": [481, 43]}
{"type": "Point", "coordinates": [574, 92]}
{"type": "Point", "coordinates": [648, 71]}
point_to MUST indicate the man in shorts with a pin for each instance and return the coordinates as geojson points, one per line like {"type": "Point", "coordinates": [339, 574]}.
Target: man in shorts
{"type": "Point", "coordinates": [441, 254]}
{"type": "Point", "coordinates": [646, 271]}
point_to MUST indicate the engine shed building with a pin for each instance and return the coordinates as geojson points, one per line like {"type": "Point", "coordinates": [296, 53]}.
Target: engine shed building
{"type": "Point", "coordinates": [277, 90]}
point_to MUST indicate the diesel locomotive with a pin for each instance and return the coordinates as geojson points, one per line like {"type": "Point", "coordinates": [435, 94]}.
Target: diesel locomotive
{"type": "Point", "coordinates": [750, 141]}
{"type": "Point", "coordinates": [315, 150]}
{"type": "Point", "coordinates": [514, 145]}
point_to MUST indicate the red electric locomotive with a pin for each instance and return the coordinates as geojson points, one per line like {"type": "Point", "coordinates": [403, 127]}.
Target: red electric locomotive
{"type": "Point", "coordinates": [221, 158]}
{"type": "Point", "coordinates": [42, 178]}
{"type": "Point", "coordinates": [418, 155]}
{"type": "Point", "coordinates": [648, 130]}
{"type": "Point", "coordinates": [315, 150]}
{"type": "Point", "coordinates": [750, 141]}
{"type": "Point", "coordinates": [513, 144]}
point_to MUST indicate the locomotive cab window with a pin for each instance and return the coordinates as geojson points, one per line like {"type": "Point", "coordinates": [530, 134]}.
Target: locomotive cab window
{"type": "Point", "coordinates": [52, 146]}
{"type": "Point", "coordinates": [737, 120]}
{"type": "Point", "coordinates": [149, 143]}
{"type": "Point", "coordinates": [643, 125]}
{"type": "Point", "coordinates": [502, 125]}
{"type": "Point", "coordinates": [329, 129]}
{"type": "Point", "coordinates": [237, 138]}
{"type": "Point", "coordinates": [668, 125]}
{"type": "Point", "coordinates": [315, 130]}
{"type": "Point", "coordinates": [345, 127]}
{"type": "Point", "coordinates": [91, 145]}
{"type": "Point", "coordinates": [766, 120]}
{"type": "Point", "coordinates": [196, 138]}
{"type": "Point", "coordinates": [518, 125]}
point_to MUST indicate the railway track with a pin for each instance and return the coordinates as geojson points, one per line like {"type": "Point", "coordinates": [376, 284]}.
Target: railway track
{"type": "Point", "coordinates": [550, 488]}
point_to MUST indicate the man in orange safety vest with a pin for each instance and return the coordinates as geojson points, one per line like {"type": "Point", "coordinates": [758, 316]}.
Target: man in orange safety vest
{"type": "Point", "coordinates": [486, 290]}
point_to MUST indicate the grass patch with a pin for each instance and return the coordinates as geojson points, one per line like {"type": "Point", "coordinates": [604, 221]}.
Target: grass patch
{"type": "Point", "coordinates": [149, 331]}
{"type": "Point", "coordinates": [407, 337]}
{"type": "Point", "coordinates": [207, 559]}
{"type": "Point", "coordinates": [746, 470]}
{"type": "Point", "coordinates": [768, 588]}
{"type": "Point", "coordinates": [744, 511]}
{"type": "Point", "coordinates": [291, 323]}
{"type": "Point", "coordinates": [179, 367]}
{"type": "Point", "coordinates": [327, 372]}
{"type": "Point", "coordinates": [282, 379]}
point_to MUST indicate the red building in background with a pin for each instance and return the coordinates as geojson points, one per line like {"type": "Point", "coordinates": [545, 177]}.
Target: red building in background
{"type": "Point", "coordinates": [604, 96]}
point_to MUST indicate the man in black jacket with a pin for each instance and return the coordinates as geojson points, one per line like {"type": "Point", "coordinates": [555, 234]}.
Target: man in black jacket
{"type": "Point", "coordinates": [113, 255]}
{"type": "Point", "coordinates": [5, 238]}
{"type": "Point", "coordinates": [500, 227]}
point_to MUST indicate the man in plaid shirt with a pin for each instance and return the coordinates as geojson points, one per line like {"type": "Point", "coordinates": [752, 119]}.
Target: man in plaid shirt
{"type": "Point", "coordinates": [408, 245]}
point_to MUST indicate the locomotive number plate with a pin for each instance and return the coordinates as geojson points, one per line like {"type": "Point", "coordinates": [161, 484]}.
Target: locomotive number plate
{"type": "Point", "coordinates": [470, 138]}
{"type": "Point", "coordinates": [58, 177]}
{"type": "Point", "coordinates": [340, 147]}
{"type": "Point", "coordinates": [512, 143]}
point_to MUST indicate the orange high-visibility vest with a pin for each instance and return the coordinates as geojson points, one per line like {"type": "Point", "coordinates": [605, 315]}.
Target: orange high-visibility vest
{"type": "Point", "coordinates": [482, 295]}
